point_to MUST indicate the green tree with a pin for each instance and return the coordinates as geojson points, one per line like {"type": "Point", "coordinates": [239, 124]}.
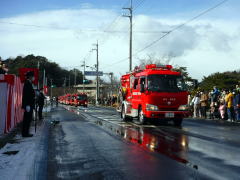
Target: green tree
{"type": "Point", "coordinates": [225, 80]}
{"type": "Point", "coordinates": [52, 70]}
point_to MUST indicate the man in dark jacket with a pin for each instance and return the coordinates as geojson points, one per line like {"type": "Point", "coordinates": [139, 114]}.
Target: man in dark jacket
{"type": "Point", "coordinates": [40, 101]}
{"type": "Point", "coordinates": [28, 101]}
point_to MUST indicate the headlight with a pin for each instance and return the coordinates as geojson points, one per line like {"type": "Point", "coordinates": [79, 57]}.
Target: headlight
{"type": "Point", "coordinates": [183, 108]}
{"type": "Point", "coordinates": [150, 107]}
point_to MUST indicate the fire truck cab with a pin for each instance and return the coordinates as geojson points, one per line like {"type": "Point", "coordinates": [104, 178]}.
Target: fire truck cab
{"type": "Point", "coordinates": [155, 92]}
{"type": "Point", "coordinates": [81, 100]}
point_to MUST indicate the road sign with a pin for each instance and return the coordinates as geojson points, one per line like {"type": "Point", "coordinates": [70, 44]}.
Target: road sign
{"type": "Point", "coordinates": [93, 73]}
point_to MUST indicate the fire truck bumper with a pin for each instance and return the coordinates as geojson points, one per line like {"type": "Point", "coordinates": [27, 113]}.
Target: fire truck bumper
{"type": "Point", "coordinates": [166, 114]}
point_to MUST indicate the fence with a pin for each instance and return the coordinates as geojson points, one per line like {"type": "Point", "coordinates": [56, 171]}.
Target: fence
{"type": "Point", "coordinates": [11, 112]}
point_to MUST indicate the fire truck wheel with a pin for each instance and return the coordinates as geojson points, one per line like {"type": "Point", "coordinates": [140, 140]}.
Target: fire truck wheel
{"type": "Point", "coordinates": [123, 115]}
{"type": "Point", "coordinates": [177, 122]}
{"type": "Point", "coordinates": [141, 117]}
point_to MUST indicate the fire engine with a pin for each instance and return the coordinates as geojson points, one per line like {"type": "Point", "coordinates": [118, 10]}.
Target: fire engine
{"type": "Point", "coordinates": [81, 100]}
{"type": "Point", "coordinates": [67, 99]}
{"type": "Point", "coordinates": [156, 92]}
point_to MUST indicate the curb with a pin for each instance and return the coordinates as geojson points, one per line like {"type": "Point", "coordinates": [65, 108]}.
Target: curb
{"type": "Point", "coordinates": [217, 121]}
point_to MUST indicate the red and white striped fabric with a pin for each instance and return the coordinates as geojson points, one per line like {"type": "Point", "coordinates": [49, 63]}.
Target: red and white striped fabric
{"type": "Point", "coordinates": [11, 112]}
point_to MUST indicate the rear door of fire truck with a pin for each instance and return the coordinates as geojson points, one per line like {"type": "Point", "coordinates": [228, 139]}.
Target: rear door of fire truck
{"type": "Point", "coordinates": [142, 99]}
{"type": "Point", "coordinates": [135, 96]}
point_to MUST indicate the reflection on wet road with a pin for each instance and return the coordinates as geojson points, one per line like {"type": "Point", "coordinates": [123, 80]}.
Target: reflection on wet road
{"type": "Point", "coordinates": [169, 145]}
{"type": "Point", "coordinates": [211, 148]}
{"type": "Point", "coordinates": [87, 148]}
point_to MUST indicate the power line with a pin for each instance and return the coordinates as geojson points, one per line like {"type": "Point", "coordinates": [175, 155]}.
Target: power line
{"type": "Point", "coordinates": [115, 19]}
{"type": "Point", "coordinates": [32, 25]}
{"type": "Point", "coordinates": [180, 26]}
{"type": "Point", "coordinates": [139, 4]}
{"type": "Point", "coordinates": [82, 30]}
{"type": "Point", "coordinates": [111, 25]}
{"type": "Point", "coordinates": [174, 29]}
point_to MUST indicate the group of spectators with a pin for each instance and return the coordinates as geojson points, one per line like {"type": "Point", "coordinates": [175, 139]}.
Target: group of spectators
{"type": "Point", "coordinates": [3, 68]}
{"type": "Point", "coordinates": [217, 104]}
{"type": "Point", "coordinates": [107, 101]}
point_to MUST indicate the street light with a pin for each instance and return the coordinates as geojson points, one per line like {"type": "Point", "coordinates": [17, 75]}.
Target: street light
{"type": "Point", "coordinates": [84, 65]}
{"type": "Point", "coordinates": [92, 68]}
{"type": "Point", "coordinates": [95, 68]}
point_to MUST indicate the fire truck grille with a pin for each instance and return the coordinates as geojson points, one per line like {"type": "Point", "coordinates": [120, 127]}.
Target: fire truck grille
{"type": "Point", "coordinates": [168, 109]}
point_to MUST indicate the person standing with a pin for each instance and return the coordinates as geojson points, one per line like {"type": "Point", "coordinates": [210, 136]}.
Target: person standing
{"type": "Point", "coordinates": [222, 109]}
{"type": "Point", "coordinates": [203, 104]}
{"type": "Point", "coordinates": [28, 101]}
{"type": "Point", "coordinates": [196, 105]}
{"type": "Point", "coordinates": [236, 104]}
{"type": "Point", "coordinates": [229, 104]}
{"type": "Point", "coordinates": [57, 99]}
{"type": "Point", "coordinates": [2, 71]}
{"type": "Point", "coordinates": [40, 101]}
{"type": "Point", "coordinates": [5, 69]}
{"type": "Point", "coordinates": [215, 94]}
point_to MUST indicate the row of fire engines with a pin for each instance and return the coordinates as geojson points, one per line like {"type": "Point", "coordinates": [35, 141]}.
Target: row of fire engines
{"type": "Point", "coordinates": [155, 92]}
{"type": "Point", "coordinates": [74, 99]}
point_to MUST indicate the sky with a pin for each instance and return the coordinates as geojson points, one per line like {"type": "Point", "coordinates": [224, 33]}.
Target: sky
{"type": "Point", "coordinates": [65, 31]}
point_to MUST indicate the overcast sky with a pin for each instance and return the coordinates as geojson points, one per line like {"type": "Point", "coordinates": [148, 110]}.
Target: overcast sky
{"type": "Point", "coordinates": [64, 31]}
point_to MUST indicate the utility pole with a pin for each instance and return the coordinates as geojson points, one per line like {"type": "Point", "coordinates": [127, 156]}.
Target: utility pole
{"type": "Point", "coordinates": [65, 79]}
{"type": "Point", "coordinates": [130, 16]}
{"type": "Point", "coordinates": [97, 76]}
{"type": "Point", "coordinates": [44, 78]}
{"type": "Point", "coordinates": [75, 75]}
{"type": "Point", "coordinates": [38, 66]}
{"type": "Point", "coordinates": [51, 89]}
{"type": "Point", "coordinates": [111, 78]}
{"type": "Point", "coordinates": [69, 83]}
{"type": "Point", "coordinates": [84, 65]}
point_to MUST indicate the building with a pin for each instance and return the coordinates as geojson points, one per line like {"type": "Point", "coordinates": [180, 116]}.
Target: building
{"type": "Point", "coordinates": [105, 89]}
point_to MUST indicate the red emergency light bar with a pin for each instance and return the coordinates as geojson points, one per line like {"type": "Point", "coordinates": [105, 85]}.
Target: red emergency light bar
{"type": "Point", "coordinates": [154, 66]}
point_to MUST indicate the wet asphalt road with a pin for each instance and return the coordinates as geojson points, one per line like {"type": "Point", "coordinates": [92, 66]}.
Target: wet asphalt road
{"type": "Point", "coordinates": [93, 143]}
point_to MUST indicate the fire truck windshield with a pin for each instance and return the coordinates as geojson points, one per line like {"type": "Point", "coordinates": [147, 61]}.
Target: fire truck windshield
{"type": "Point", "coordinates": [165, 83]}
{"type": "Point", "coordinates": [82, 97]}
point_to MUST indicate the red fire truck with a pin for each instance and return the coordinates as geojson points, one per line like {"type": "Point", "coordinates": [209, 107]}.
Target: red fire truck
{"type": "Point", "coordinates": [67, 99]}
{"type": "Point", "coordinates": [81, 100]}
{"type": "Point", "coordinates": [156, 92]}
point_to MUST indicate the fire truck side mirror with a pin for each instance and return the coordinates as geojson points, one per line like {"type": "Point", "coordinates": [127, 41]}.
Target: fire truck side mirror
{"type": "Point", "coordinates": [141, 88]}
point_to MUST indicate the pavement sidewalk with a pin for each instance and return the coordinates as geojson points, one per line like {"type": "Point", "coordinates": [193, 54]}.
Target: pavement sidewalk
{"type": "Point", "coordinates": [24, 158]}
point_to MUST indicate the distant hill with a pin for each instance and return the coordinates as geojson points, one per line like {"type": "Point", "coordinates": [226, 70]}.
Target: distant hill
{"type": "Point", "coordinates": [52, 69]}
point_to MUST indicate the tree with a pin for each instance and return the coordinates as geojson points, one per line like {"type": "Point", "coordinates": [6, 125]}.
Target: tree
{"type": "Point", "coordinates": [53, 70]}
{"type": "Point", "coordinates": [225, 80]}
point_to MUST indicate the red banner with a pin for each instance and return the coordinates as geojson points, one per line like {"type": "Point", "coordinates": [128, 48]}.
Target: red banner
{"type": "Point", "coordinates": [45, 90]}
{"type": "Point", "coordinates": [23, 71]}
{"type": "Point", "coordinates": [11, 112]}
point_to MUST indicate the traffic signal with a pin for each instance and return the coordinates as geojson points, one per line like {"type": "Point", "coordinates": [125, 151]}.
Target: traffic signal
{"type": "Point", "coordinates": [85, 81]}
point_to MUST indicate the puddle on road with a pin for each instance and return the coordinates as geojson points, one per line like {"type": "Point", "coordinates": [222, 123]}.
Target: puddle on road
{"type": "Point", "coordinates": [173, 145]}
{"type": "Point", "coordinates": [170, 144]}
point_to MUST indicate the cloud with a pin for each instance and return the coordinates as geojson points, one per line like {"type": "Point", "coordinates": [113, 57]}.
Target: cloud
{"type": "Point", "coordinates": [67, 36]}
